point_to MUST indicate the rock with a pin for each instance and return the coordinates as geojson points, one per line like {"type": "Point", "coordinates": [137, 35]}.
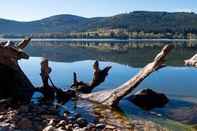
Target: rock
{"type": "Point", "coordinates": [62, 123]}
{"type": "Point", "coordinates": [49, 128]}
{"type": "Point", "coordinates": [52, 122]}
{"type": "Point", "coordinates": [148, 99]}
{"type": "Point", "coordinates": [76, 125]}
{"type": "Point", "coordinates": [60, 129]}
{"type": "Point", "coordinates": [24, 124]}
{"type": "Point", "coordinates": [69, 127]}
{"type": "Point", "coordinates": [66, 113]}
{"type": "Point", "coordinates": [82, 129]}
{"type": "Point", "coordinates": [91, 127]}
{"type": "Point", "coordinates": [110, 128]}
{"type": "Point", "coordinates": [76, 129]}
{"type": "Point", "coordinates": [82, 122]}
{"type": "Point", "coordinates": [6, 128]}
{"type": "Point", "coordinates": [2, 117]}
{"type": "Point", "coordinates": [100, 126]}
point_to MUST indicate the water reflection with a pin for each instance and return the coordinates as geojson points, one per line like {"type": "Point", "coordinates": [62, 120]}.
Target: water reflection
{"type": "Point", "coordinates": [176, 81]}
{"type": "Point", "coordinates": [136, 53]}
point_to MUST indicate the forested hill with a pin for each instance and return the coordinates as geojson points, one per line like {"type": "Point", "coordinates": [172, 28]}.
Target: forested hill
{"type": "Point", "coordinates": [136, 21]}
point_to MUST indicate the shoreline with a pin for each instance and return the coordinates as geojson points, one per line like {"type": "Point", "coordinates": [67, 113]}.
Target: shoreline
{"type": "Point", "coordinates": [97, 40]}
{"type": "Point", "coordinates": [34, 117]}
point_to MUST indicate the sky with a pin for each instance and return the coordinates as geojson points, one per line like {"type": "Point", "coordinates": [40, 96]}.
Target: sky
{"type": "Point", "coordinates": [28, 10]}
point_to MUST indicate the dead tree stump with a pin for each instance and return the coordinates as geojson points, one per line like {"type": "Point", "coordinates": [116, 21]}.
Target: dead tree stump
{"type": "Point", "coordinates": [14, 83]}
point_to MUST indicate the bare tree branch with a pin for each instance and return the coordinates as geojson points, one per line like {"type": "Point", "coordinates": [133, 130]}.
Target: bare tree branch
{"type": "Point", "coordinates": [191, 61]}
{"type": "Point", "coordinates": [112, 97]}
{"type": "Point", "coordinates": [23, 43]}
{"type": "Point", "coordinates": [98, 77]}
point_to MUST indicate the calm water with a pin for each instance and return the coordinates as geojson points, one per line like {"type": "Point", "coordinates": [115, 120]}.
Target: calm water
{"type": "Point", "coordinates": [176, 81]}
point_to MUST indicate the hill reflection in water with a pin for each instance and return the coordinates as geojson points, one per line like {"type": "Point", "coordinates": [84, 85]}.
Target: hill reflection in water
{"type": "Point", "coordinates": [135, 54]}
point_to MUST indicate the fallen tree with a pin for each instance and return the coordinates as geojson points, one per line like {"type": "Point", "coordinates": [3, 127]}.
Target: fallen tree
{"type": "Point", "coordinates": [112, 97]}
{"type": "Point", "coordinates": [14, 83]}
{"type": "Point", "coordinates": [21, 88]}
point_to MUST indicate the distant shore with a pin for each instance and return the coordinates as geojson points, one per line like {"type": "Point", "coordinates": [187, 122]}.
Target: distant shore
{"type": "Point", "coordinates": [96, 40]}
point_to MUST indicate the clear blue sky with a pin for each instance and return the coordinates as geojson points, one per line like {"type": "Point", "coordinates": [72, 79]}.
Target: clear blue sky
{"type": "Point", "coordinates": [27, 10]}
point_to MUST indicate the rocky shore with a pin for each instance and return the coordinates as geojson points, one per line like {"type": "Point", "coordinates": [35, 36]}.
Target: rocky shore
{"type": "Point", "coordinates": [44, 117]}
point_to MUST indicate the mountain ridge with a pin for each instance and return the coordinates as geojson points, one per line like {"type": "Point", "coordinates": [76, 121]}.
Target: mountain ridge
{"type": "Point", "coordinates": [147, 21]}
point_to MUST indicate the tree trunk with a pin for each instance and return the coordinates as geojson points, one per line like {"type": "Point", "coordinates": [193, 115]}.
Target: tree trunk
{"type": "Point", "coordinates": [112, 97]}
{"type": "Point", "coordinates": [14, 83]}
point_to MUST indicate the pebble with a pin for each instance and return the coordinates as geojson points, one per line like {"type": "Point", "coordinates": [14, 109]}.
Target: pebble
{"type": "Point", "coordinates": [62, 123]}
{"type": "Point", "coordinates": [69, 127]}
{"type": "Point", "coordinates": [42, 120]}
{"type": "Point", "coordinates": [49, 128]}
{"type": "Point", "coordinates": [100, 126]}
{"type": "Point", "coordinates": [91, 127]}
{"type": "Point", "coordinates": [2, 117]}
{"type": "Point", "coordinates": [109, 127]}
{"type": "Point", "coordinates": [82, 122]}
{"type": "Point", "coordinates": [52, 122]}
{"type": "Point", "coordinates": [76, 125]}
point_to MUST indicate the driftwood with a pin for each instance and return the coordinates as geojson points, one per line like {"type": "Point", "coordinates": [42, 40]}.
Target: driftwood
{"type": "Point", "coordinates": [11, 53]}
{"type": "Point", "coordinates": [14, 83]}
{"type": "Point", "coordinates": [112, 97]}
{"type": "Point", "coordinates": [191, 61]}
{"type": "Point", "coordinates": [78, 86]}
{"type": "Point", "coordinates": [98, 77]}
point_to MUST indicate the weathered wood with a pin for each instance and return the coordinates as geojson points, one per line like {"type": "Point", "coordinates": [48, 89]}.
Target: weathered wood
{"type": "Point", "coordinates": [10, 54]}
{"type": "Point", "coordinates": [112, 97]}
{"type": "Point", "coordinates": [191, 61]}
{"type": "Point", "coordinates": [98, 77]}
{"type": "Point", "coordinates": [24, 43]}
{"type": "Point", "coordinates": [14, 83]}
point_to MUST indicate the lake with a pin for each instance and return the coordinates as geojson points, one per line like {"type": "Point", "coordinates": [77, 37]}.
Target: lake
{"type": "Point", "coordinates": [126, 58]}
